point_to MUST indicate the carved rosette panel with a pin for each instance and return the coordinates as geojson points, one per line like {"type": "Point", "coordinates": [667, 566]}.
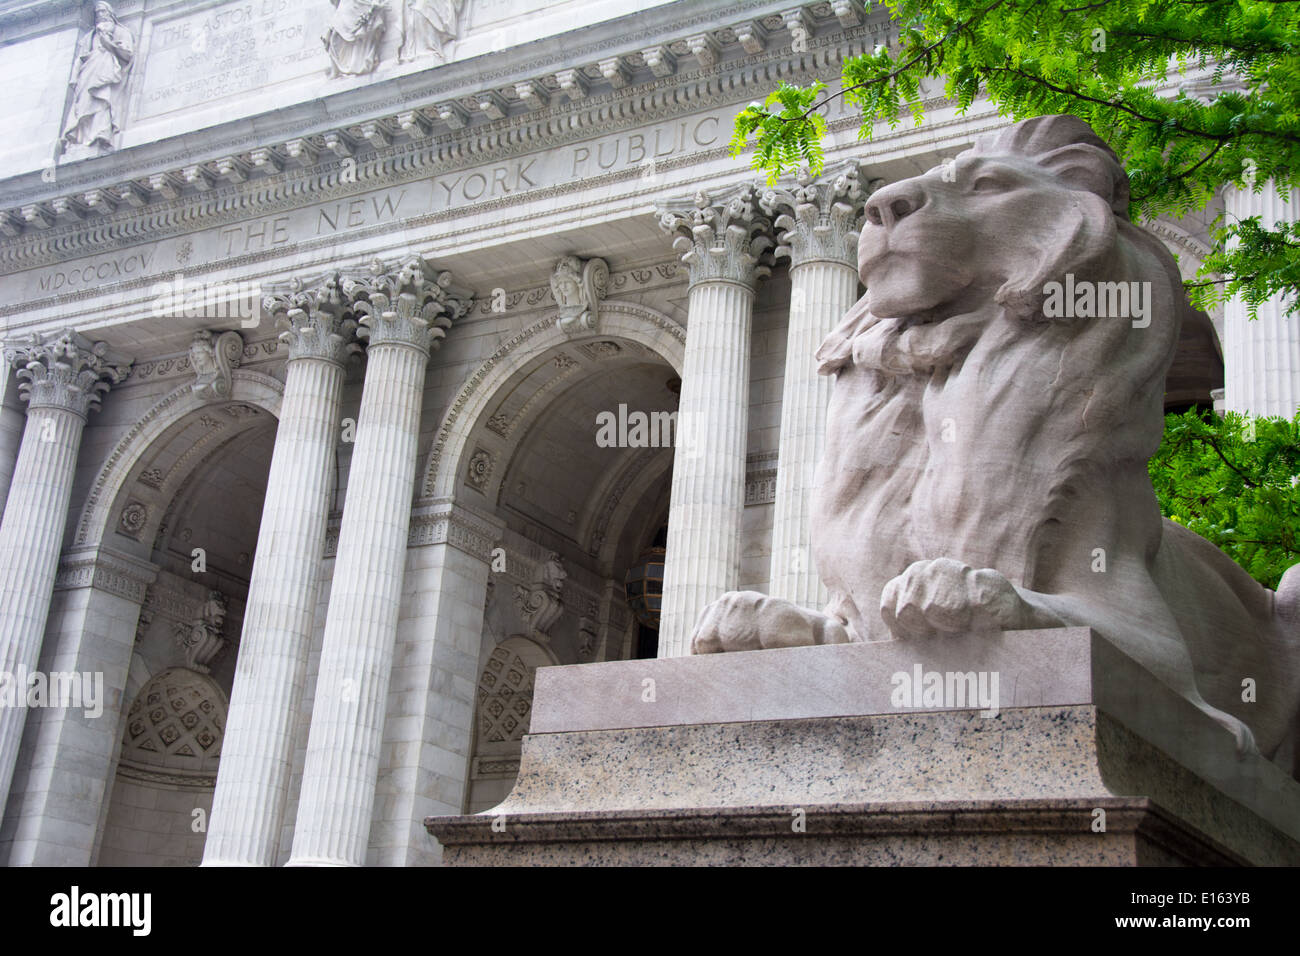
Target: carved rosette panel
{"type": "Point", "coordinates": [65, 370]}
{"type": "Point", "coordinates": [409, 304]}
{"type": "Point", "coordinates": [133, 518]}
{"type": "Point", "coordinates": [505, 697]}
{"type": "Point", "coordinates": [727, 238]}
{"type": "Point", "coordinates": [314, 320]}
{"type": "Point", "coordinates": [175, 723]}
{"type": "Point", "coordinates": [820, 218]}
{"type": "Point", "coordinates": [479, 470]}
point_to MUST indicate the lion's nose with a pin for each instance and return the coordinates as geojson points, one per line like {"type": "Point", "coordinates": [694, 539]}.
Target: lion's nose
{"type": "Point", "coordinates": [890, 204]}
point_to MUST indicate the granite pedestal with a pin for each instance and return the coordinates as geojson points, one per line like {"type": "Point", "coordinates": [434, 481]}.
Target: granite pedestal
{"type": "Point", "coordinates": [837, 755]}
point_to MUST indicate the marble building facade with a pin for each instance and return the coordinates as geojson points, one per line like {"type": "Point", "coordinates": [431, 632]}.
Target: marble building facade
{"type": "Point", "coordinates": [306, 335]}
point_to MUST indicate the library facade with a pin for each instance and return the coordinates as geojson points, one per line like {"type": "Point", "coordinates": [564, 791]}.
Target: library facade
{"type": "Point", "coordinates": [362, 358]}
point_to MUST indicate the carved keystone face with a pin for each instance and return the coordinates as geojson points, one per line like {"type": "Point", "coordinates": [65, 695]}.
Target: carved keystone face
{"type": "Point", "coordinates": [938, 242]}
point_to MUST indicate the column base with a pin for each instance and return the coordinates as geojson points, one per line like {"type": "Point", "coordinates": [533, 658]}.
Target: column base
{"type": "Point", "coordinates": [318, 861]}
{"type": "Point", "coordinates": [227, 863]}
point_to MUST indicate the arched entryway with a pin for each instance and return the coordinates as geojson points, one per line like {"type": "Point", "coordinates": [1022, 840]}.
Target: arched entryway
{"type": "Point", "coordinates": [576, 461]}
{"type": "Point", "coordinates": [568, 444]}
{"type": "Point", "coordinates": [185, 493]}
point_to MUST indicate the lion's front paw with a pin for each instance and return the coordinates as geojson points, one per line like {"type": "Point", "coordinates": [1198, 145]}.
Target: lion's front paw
{"type": "Point", "coordinates": [750, 621]}
{"type": "Point", "coordinates": [943, 596]}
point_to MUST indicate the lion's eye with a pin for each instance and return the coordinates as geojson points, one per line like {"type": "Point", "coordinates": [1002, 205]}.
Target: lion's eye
{"type": "Point", "coordinates": [986, 183]}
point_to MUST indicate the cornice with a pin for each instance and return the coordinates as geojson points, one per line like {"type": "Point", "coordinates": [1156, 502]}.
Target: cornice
{"type": "Point", "coordinates": [106, 570]}
{"type": "Point", "coordinates": [183, 191]}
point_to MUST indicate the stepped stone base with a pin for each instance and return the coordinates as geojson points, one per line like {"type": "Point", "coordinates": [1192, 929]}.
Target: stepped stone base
{"type": "Point", "coordinates": [801, 756]}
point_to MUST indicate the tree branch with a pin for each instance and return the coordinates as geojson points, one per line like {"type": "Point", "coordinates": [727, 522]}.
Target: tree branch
{"type": "Point", "coordinates": [923, 54]}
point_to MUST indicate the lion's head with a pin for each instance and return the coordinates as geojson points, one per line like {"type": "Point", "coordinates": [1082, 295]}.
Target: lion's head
{"type": "Point", "coordinates": [1020, 208]}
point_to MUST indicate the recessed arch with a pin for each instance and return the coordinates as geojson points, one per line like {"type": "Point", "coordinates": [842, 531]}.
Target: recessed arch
{"type": "Point", "coordinates": [618, 320]}
{"type": "Point", "coordinates": [247, 387]}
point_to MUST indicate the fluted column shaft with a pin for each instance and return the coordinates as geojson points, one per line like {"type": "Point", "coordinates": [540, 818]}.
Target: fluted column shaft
{"type": "Point", "coordinates": [407, 311]}
{"type": "Point", "coordinates": [724, 243]}
{"type": "Point", "coordinates": [818, 220]}
{"type": "Point", "coordinates": [821, 292]}
{"type": "Point", "coordinates": [257, 750]}
{"type": "Point", "coordinates": [63, 378]}
{"type": "Point", "coordinates": [702, 559]}
{"type": "Point", "coordinates": [1261, 357]}
{"type": "Point", "coordinates": [338, 787]}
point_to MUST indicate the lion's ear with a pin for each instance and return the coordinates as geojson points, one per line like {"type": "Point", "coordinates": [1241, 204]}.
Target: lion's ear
{"type": "Point", "coordinates": [1085, 167]}
{"type": "Point", "coordinates": [1069, 239]}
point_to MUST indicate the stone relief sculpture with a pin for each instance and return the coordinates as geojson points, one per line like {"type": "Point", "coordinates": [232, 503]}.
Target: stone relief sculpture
{"type": "Point", "coordinates": [353, 35]}
{"type": "Point", "coordinates": [985, 464]}
{"type": "Point", "coordinates": [539, 602]}
{"type": "Point", "coordinates": [578, 288]}
{"type": "Point", "coordinates": [428, 26]}
{"type": "Point", "coordinates": [214, 363]}
{"type": "Point", "coordinates": [200, 640]}
{"type": "Point", "coordinates": [104, 58]}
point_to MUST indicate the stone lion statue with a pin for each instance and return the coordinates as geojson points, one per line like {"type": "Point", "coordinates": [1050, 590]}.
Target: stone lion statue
{"type": "Point", "coordinates": [986, 450]}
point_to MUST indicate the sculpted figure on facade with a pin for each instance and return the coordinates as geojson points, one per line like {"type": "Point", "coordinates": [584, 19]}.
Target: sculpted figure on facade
{"type": "Point", "coordinates": [578, 288]}
{"type": "Point", "coordinates": [353, 35]}
{"type": "Point", "coordinates": [104, 58]}
{"type": "Point", "coordinates": [986, 449]}
{"type": "Point", "coordinates": [539, 601]}
{"type": "Point", "coordinates": [428, 27]}
{"type": "Point", "coordinates": [201, 640]}
{"type": "Point", "coordinates": [214, 362]}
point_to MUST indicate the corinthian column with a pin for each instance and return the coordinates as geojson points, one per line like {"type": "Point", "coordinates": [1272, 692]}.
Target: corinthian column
{"type": "Point", "coordinates": [405, 312]}
{"type": "Point", "coordinates": [257, 751]}
{"type": "Point", "coordinates": [62, 377]}
{"type": "Point", "coordinates": [724, 242]}
{"type": "Point", "coordinates": [1261, 357]}
{"type": "Point", "coordinates": [819, 224]}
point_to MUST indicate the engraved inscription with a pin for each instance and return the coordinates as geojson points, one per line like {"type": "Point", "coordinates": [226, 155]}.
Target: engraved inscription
{"type": "Point", "coordinates": [228, 50]}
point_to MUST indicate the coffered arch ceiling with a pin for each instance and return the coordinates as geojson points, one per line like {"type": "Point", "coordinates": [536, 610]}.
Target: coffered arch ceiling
{"type": "Point", "coordinates": [219, 508]}
{"type": "Point", "coordinates": [201, 483]}
{"type": "Point", "coordinates": [538, 463]}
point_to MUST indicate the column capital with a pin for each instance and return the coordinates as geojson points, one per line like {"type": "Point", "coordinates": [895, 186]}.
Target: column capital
{"type": "Point", "coordinates": [722, 237]}
{"type": "Point", "coordinates": [314, 320]}
{"type": "Point", "coordinates": [65, 370]}
{"type": "Point", "coordinates": [819, 218]}
{"type": "Point", "coordinates": [408, 303]}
